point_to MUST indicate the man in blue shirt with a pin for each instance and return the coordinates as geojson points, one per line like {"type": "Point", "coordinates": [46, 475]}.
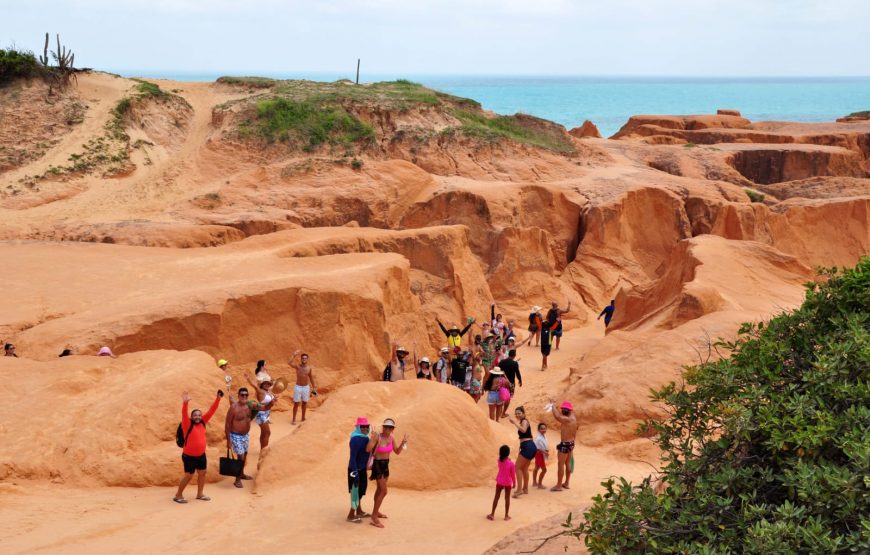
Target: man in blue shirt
{"type": "Point", "coordinates": [608, 313]}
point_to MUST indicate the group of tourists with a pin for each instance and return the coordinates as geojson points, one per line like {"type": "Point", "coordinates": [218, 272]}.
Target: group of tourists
{"type": "Point", "coordinates": [488, 366]}
{"type": "Point", "coordinates": [243, 410]}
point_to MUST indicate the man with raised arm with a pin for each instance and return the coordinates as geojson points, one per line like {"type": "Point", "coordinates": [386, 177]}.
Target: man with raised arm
{"type": "Point", "coordinates": [568, 420]}
{"type": "Point", "coordinates": [555, 315]}
{"type": "Point", "coordinates": [193, 454]}
{"type": "Point", "coordinates": [304, 387]}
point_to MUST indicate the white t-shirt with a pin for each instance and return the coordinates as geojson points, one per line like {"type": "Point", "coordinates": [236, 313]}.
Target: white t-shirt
{"type": "Point", "coordinates": [442, 370]}
{"type": "Point", "coordinates": [542, 445]}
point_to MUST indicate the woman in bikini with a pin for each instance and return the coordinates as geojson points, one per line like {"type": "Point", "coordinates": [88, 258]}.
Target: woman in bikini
{"type": "Point", "coordinates": [477, 377]}
{"type": "Point", "coordinates": [491, 385]}
{"type": "Point", "coordinates": [423, 366]}
{"type": "Point", "coordinates": [264, 396]}
{"type": "Point", "coordinates": [381, 445]}
{"type": "Point", "coordinates": [527, 450]}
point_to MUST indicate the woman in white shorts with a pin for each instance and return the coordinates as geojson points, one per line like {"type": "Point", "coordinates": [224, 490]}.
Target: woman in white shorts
{"type": "Point", "coordinates": [264, 395]}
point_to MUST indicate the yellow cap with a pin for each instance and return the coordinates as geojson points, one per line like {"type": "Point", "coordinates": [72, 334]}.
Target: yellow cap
{"type": "Point", "coordinates": [222, 362]}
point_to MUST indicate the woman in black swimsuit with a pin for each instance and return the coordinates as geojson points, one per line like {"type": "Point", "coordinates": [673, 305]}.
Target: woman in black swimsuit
{"type": "Point", "coordinates": [527, 450]}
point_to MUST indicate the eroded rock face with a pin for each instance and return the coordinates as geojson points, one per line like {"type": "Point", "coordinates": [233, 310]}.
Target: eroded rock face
{"type": "Point", "coordinates": [587, 129]}
{"type": "Point", "coordinates": [775, 164]}
{"type": "Point", "coordinates": [644, 126]}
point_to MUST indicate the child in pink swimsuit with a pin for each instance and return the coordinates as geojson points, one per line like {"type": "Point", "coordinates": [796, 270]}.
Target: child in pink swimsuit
{"type": "Point", "coordinates": [505, 480]}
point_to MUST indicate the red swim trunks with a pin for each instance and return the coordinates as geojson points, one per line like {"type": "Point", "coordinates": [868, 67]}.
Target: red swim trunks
{"type": "Point", "coordinates": [539, 460]}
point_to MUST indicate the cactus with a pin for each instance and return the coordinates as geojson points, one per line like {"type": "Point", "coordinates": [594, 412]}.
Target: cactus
{"type": "Point", "coordinates": [44, 57]}
{"type": "Point", "coordinates": [63, 57]}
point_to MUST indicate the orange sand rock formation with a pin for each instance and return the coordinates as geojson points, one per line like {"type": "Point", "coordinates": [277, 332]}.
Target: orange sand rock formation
{"type": "Point", "coordinates": [200, 242]}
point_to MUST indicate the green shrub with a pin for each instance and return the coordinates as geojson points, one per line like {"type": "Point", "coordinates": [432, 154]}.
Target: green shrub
{"type": "Point", "coordinates": [18, 63]}
{"type": "Point", "coordinates": [767, 451]}
{"type": "Point", "coordinates": [251, 82]}
{"type": "Point", "coordinates": [285, 120]}
{"type": "Point", "coordinates": [522, 129]}
{"type": "Point", "coordinates": [754, 196]}
{"type": "Point", "coordinates": [356, 164]}
{"type": "Point", "coordinates": [862, 114]}
{"type": "Point", "coordinates": [144, 89]}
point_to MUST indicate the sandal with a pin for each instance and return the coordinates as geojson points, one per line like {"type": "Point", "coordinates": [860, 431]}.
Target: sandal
{"type": "Point", "coordinates": [179, 499]}
{"type": "Point", "coordinates": [204, 498]}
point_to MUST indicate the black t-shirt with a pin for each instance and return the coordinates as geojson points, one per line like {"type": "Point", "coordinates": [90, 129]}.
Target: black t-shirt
{"type": "Point", "coordinates": [552, 315]}
{"type": "Point", "coordinates": [459, 366]}
{"type": "Point", "coordinates": [511, 369]}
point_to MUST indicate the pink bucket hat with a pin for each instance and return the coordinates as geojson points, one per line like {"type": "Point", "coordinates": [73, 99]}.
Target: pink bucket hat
{"type": "Point", "coordinates": [567, 405]}
{"type": "Point", "coordinates": [362, 421]}
{"type": "Point", "coordinates": [104, 352]}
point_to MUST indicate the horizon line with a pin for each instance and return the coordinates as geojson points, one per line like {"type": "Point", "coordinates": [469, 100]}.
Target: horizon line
{"type": "Point", "coordinates": [269, 73]}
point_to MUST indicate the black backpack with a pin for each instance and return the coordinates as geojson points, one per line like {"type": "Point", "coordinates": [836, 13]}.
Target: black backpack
{"type": "Point", "coordinates": [388, 373]}
{"type": "Point", "coordinates": [181, 437]}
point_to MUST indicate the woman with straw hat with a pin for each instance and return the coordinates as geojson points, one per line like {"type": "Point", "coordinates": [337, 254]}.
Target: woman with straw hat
{"type": "Point", "coordinates": [356, 469]}
{"type": "Point", "coordinates": [492, 384]}
{"type": "Point", "coordinates": [381, 445]}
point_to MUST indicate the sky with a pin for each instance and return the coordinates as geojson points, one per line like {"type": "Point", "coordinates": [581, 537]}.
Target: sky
{"type": "Point", "coordinates": [697, 38]}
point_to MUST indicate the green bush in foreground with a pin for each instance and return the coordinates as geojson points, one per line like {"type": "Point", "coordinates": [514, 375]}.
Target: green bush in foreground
{"type": "Point", "coordinates": [281, 119]}
{"type": "Point", "coordinates": [767, 451]}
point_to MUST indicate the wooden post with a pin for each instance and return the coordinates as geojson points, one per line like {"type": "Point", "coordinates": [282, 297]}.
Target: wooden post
{"type": "Point", "coordinates": [357, 71]}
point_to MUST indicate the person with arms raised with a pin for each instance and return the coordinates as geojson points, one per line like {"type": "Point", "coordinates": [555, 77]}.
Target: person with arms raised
{"type": "Point", "coordinates": [568, 433]}
{"type": "Point", "coordinates": [193, 453]}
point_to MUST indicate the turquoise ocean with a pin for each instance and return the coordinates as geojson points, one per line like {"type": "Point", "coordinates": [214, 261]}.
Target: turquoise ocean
{"type": "Point", "coordinates": [610, 101]}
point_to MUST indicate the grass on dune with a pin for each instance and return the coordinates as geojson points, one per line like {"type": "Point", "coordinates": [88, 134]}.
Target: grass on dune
{"type": "Point", "coordinates": [305, 123]}
{"type": "Point", "coordinates": [312, 113]}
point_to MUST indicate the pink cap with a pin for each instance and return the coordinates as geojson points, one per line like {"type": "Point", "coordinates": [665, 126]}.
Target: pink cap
{"type": "Point", "coordinates": [362, 421]}
{"type": "Point", "coordinates": [105, 352]}
{"type": "Point", "coordinates": [567, 405]}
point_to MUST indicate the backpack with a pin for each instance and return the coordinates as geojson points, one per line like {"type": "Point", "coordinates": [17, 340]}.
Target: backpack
{"type": "Point", "coordinates": [533, 321]}
{"type": "Point", "coordinates": [181, 437]}
{"type": "Point", "coordinates": [388, 373]}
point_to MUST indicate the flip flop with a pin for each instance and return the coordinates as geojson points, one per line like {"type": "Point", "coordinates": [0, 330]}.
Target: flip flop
{"type": "Point", "coordinates": [238, 484]}
{"type": "Point", "coordinates": [179, 500]}
{"type": "Point", "coordinates": [365, 515]}
{"type": "Point", "coordinates": [355, 520]}
{"type": "Point", "coordinates": [204, 498]}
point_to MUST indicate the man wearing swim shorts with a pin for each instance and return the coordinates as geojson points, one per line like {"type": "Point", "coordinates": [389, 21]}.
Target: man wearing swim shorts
{"type": "Point", "coordinates": [304, 387]}
{"type": "Point", "coordinates": [568, 420]}
{"type": "Point", "coordinates": [238, 428]}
